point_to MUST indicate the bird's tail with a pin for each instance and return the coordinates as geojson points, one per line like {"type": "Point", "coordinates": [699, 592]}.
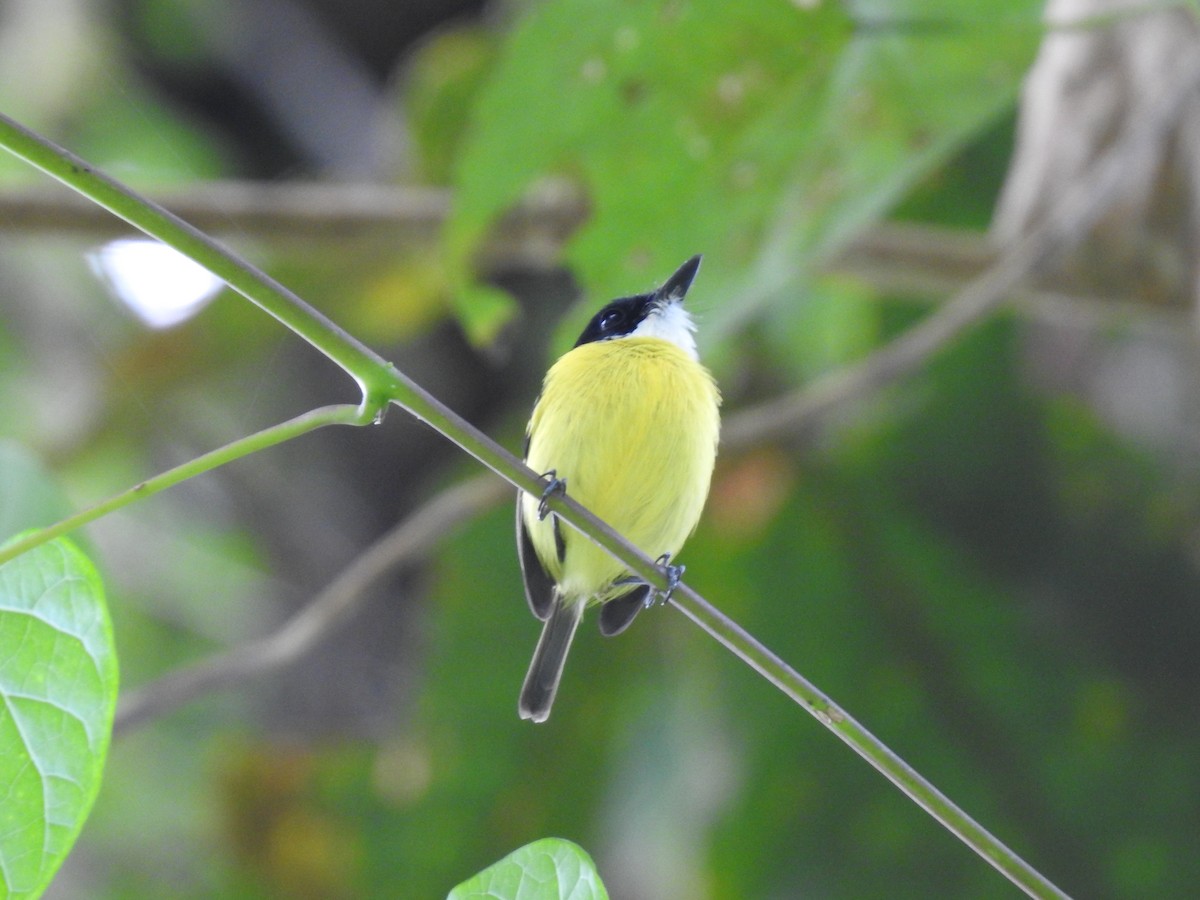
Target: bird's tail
{"type": "Point", "coordinates": [541, 682]}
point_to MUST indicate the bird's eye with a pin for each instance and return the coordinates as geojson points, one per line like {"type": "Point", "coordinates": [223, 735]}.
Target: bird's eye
{"type": "Point", "coordinates": [610, 320]}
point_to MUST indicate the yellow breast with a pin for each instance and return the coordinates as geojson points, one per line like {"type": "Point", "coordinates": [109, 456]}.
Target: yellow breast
{"type": "Point", "coordinates": [632, 425]}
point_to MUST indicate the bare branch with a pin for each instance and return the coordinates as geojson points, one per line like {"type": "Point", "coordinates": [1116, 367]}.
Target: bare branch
{"type": "Point", "coordinates": [1065, 227]}
{"type": "Point", "coordinates": [925, 262]}
{"type": "Point", "coordinates": [407, 542]}
{"type": "Point", "coordinates": [895, 258]}
{"type": "Point", "coordinates": [296, 209]}
{"type": "Point", "coordinates": [288, 208]}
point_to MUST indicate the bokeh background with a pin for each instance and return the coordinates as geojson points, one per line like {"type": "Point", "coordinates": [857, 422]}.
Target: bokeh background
{"type": "Point", "coordinates": [992, 563]}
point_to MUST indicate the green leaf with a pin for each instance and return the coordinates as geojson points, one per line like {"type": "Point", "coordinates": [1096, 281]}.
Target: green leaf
{"type": "Point", "coordinates": [58, 691]}
{"type": "Point", "coordinates": [482, 310]}
{"type": "Point", "coordinates": [441, 80]}
{"type": "Point", "coordinates": [762, 133]}
{"type": "Point", "coordinates": [549, 869]}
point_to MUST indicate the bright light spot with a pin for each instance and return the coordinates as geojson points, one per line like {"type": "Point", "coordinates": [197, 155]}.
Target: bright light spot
{"type": "Point", "coordinates": [160, 285]}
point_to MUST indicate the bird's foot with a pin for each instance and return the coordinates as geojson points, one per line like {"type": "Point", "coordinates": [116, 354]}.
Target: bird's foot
{"type": "Point", "coordinates": [674, 575]}
{"type": "Point", "coordinates": [656, 597]}
{"type": "Point", "coordinates": [554, 486]}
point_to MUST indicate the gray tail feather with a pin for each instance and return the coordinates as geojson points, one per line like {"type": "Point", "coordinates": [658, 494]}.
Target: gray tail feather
{"type": "Point", "coordinates": [541, 682]}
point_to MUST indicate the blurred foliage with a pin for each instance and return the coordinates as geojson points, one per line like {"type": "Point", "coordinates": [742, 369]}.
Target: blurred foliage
{"type": "Point", "coordinates": [761, 133]}
{"type": "Point", "coordinates": [441, 84]}
{"type": "Point", "coordinates": [977, 564]}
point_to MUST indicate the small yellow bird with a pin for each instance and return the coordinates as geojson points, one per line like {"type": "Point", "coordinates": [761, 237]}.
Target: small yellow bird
{"type": "Point", "coordinates": [628, 422]}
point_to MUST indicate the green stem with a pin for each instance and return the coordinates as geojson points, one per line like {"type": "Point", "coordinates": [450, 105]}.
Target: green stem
{"type": "Point", "coordinates": [865, 744]}
{"type": "Point", "coordinates": [260, 440]}
{"type": "Point", "coordinates": [382, 383]}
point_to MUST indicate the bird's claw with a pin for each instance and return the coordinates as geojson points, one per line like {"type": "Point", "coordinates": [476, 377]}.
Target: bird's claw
{"type": "Point", "coordinates": [556, 485]}
{"type": "Point", "coordinates": [655, 597]}
{"type": "Point", "coordinates": [674, 577]}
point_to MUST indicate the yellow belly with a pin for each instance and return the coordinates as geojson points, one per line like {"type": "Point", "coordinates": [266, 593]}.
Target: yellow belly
{"type": "Point", "coordinates": [632, 425]}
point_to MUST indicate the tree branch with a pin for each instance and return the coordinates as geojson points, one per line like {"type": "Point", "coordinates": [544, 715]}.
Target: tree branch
{"type": "Point", "coordinates": [1062, 229]}
{"type": "Point", "coordinates": [892, 257]}
{"type": "Point", "coordinates": [406, 543]}
{"type": "Point", "coordinates": [296, 210]}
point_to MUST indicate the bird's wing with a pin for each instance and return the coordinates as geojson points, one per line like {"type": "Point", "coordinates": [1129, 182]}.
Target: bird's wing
{"type": "Point", "coordinates": [617, 613]}
{"type": "Point", "coordinates": [539, 586]}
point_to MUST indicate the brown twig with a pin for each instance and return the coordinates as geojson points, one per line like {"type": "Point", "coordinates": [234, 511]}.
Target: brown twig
{"type": "Point", "coordinates": [407, 542]}
{"type": "Point", "coordinates": [892, 258]}
{"type": "Point", "coordinates": [289, 209]}
{"type": "Point", "coordinates": [1018, 264]}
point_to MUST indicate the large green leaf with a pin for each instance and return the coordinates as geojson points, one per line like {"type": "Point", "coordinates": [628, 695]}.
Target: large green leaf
{"type": "Point", "coordinates": [549, 869]}
{"type": "Point", "coordinates": [58, 690]}
{"type": "Point", "coordinates": [761, 133]}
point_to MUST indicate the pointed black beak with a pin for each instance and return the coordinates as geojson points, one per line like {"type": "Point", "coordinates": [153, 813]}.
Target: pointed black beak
{"type": "Point", "coordinates": [677, 285]}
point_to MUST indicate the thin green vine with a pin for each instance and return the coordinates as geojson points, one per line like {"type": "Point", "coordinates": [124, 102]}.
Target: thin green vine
{"type": "Point", "coordinates": [260, 440]}
{"type": "Point", "coordinates": [381, 383]}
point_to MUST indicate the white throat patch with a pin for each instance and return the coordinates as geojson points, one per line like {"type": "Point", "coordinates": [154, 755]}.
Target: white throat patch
{"type": "Point", "coordinates": [670, 323]}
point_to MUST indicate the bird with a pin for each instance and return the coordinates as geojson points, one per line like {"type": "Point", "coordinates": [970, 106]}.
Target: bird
{"type": "Point", "coordinates": [627, 423]}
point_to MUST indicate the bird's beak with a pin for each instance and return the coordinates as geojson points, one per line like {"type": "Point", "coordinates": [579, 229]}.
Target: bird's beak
{"type": "Point", "coordinates": [676, 287]}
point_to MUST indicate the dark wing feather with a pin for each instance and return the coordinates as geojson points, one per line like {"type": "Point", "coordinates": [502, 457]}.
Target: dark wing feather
{"type": "Point", "coordinates": [539, 586]}
{"type": "Point", "coordinates": [617, 613]}
{"type": "Point", "coordinates": [560, 542]}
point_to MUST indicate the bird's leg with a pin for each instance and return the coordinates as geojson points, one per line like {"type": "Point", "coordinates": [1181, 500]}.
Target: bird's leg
{"type": "Point", "coordinates": [674, 576]}
{"type": "Point", "coordinates": [556, 485]}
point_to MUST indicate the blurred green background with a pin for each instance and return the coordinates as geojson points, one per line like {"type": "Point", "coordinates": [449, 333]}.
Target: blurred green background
{"type": "Point", "coordinates": [992, 564]}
